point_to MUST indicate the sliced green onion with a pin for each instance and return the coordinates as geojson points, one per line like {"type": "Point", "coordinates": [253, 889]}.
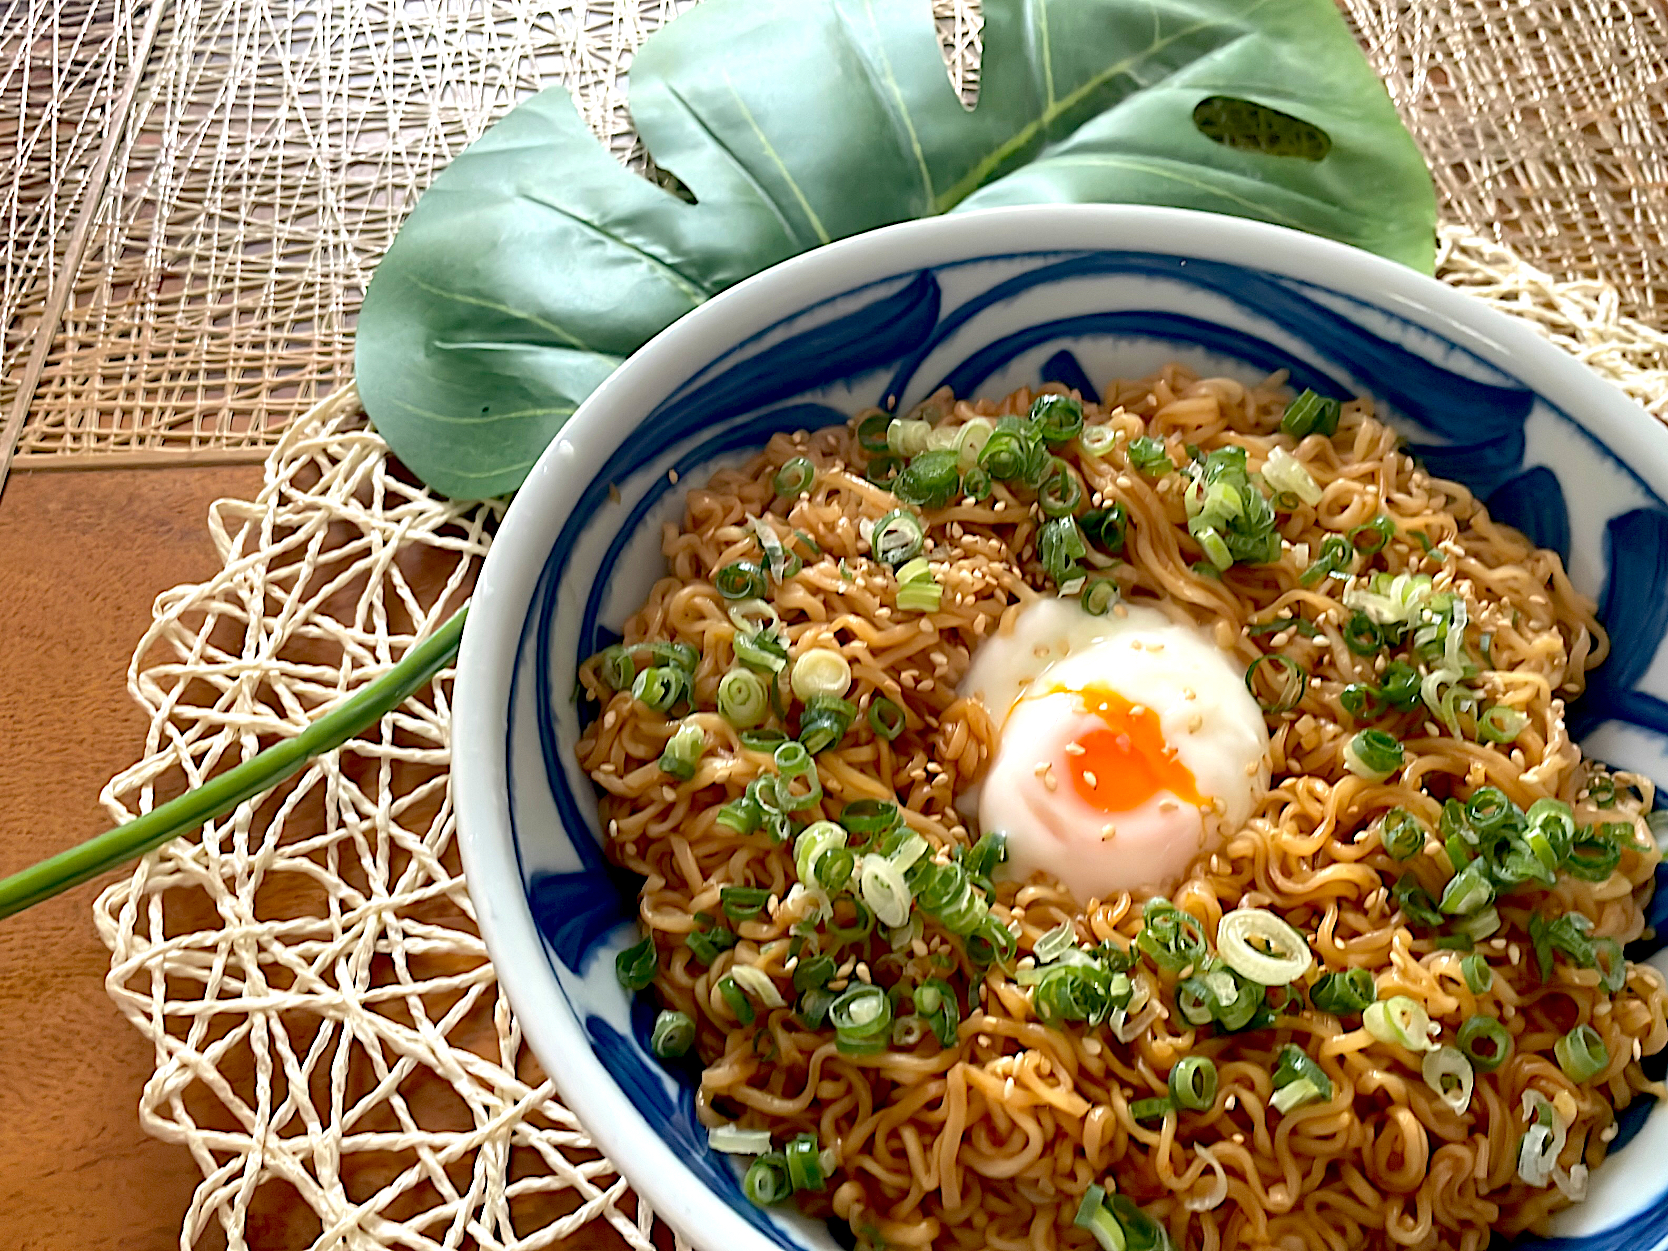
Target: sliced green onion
{"type": "Point", "coordinates": [930, 480]}
{"type": "Point", "coordinates": [1415, 902]}
{"type": "Point", "coordinates": [1597, 850]}
{"type": "Point", "coordinates": [1171, 938]}
{"type": "Point", "coordinates": [673, 1035]}
{"type": "Point", "coordinates": [734, 1140]}
{"type": "Point", "coordinates": [1582, 1054]}
{"type": "Point", "coordinates": [1061, 491]}
{"type": "Point", "coordinates": [804, 1158]}
{"type": "Point", "coordinates": [1213, 545]}
{"type": "Point", "coordinates": [883, 469]}
{"type": "Point", "coordinates": [1478, 975]}
{"type": "Point", "coordinates": [1150, 456]}
{"type": "Point", "coordinates": [1142, 1232]}
{"type": "Point", "coordinates": [824, 722]}
{"type": "Point", "coordinates": [1373, 754]}
{"type": "Point", "coordinates": [1105, 527]}
{"type": "Point", "coordinates": [1097, 441]}
{"type": "Point", "coordinates": [1152, 1109]}
{"type": "Point", "coordinates": [918, 589]}
{"type": "Point", "coordinates": [1098, 596]}
{"type": "Point", "coordinates": [683, 751]}
{"type": "Point", "coordinates": [1485, 1042]}
{"type": "Point", "coordinates": [1298, 1067]}
{"type": "Point", "coordinates": [1060, 545]}
{"type": "Point", "coordinates": [762, 652]}
{"type": "Point", "coordinates": [985, 855]}
{"type": "Point", "coordinates": [885, 890]}
{"type": "Point", "coordinates": [1488, 809]}
{"type": "Point", "coordinates": [1601, 790]}
{"type": "Point", "coordinates": [767, 1181]}
{"type": "Point", "coordinates": [635, 966]}
{"type": "Point", "coordinates": [1362, 635]}
{"type": "Point", "coordinates": [976, 484]}
{"type": "Point", "coordinates": [1501, 724]}
{"type": "Point", "coordinates": [907, 436]}
{"type": "Point", "coordinates": [767, 740]}
{"type": "Point", "coordinates": [1478, 925]}
{"type": "Point", "coordinates": [659, 687]}
{"type": "Point", "coordinates": [741, 580]}
{"type": "Point", "coordinates": [1447, 1071]}
{"type": "Point", "coordinates": [1568, 936]}
{"type": "Point", "coordinates": [1289, 476]}
{"type": "Point", "coordinates": [707, 943]}
{"type": "Point", "coordinates": [1373, 536]}
{"type": "Point", "coordinates": [1611, 964]}
{"type": "Point", "coordinates": [1058, 417]}
{"type": "Point", "coordinates": [1007, 452]}
{"type": "Point", "coordinates": [741, 1007]}
{"type": "Point", "coordinates": [741, 902]}
{"type": "Point", "coordinates": [743, 699]}
{"type": "Point", "coordinates": [1054, 944]}
{"type": "Point", "coordinates": [795, 477]}
{"type": "Point", "coordinates": [871, 432]}
{"type": "Point", "coordinates": [820, 671]}
{"type": "Point", "coordinates": [616, 668]}
{"type": "Point", "coordinates": [1310, 413]}
{"type": "Point", "coordinates": [758, 984]}
{"type": "Point", "coordinates": [1360, 701]}
{"type": "Point", "coordinates": [886, 718]}
{"type": "Point", "coordinates": [1290, 680]}
{"type": "Point", "coordinates": [1095, 1216]}
{"type": "Point", "coordinates": [1193, 1083]}
{"type": "Point", "coordinates": [1399, 1020]}
{"type": "Point", "coordinates": [1349, 991]}
{"type": "Point", "coordinates": [813, 971]}
{"type": "Point", "coordinates": [897, 537]}
{"type": "Point", "coordinates": [1402, 834]}
{"type": "Point", "coordinates": [862, 1020]}
{"type": "Point", "coordinates": [1258, 945]}
{"type": "Point", "coordinates": [1468, 891]}
{"type": "Point", "coordinates": [971, 438]}
{"type": "Point", "coordinates": [743, 816]}
{"type": "Point", "coordinates": [871, 817]}
{"type": "Point", "coordinates": [1399, 685]}
{"type": "Point", "coordinates": [1336, 556]}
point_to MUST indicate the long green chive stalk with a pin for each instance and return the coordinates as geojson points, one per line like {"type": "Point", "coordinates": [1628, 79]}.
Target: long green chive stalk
{"type": "Point", "coordinates": [218, 796]}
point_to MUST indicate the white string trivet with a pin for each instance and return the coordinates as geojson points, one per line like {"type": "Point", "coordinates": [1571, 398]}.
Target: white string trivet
{"type": "Point", "coordinates": [309, 972]}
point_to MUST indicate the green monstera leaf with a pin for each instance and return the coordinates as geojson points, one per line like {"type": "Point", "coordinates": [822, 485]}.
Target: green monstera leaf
{"type": "Point", "coordinates": [535, 263]}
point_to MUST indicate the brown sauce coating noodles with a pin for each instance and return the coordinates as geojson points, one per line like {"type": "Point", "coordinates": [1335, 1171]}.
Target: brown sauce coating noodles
{"type": "Point", "coordinates": [992, 1142]}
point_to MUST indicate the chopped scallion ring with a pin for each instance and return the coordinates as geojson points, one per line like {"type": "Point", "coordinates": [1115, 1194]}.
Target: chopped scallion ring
{"type": "Point", "coordinates": [804, 1158]}
{"type": "Point", "coordinates": [742, 902]}
{"type": "Point", "coordinates": [734, 1140]}
{"type": "Point", "coordinates": [1299, 1079]}
{"type": "Point", "coordinates": [767, 1181]}
{"type": "Point", "coordinates": [1478, 976]}
{"type": "Point", "coordinates": [1363, 636]}
{"type": "Point", "coordinates": [886, 718]}
{"type": "Point", "coordinates": [930, 480]}
{"type": "Point", "coordinates": [1373, 754]}
{"type": "Point", "coordinates": [1582, 1054]}
{"type": "Point", "coordinates": [1289, 476]}
{"type": "Point", "coordinates": [1097, 441]}
{"type": "Point", "coordinates": [1399, 1020]}
{"type": "Point", "coordinates": [907, 437]}
{"type": "Point", "coordinates": [794, 477]}
{"type": "Point", "coordinates": [1448, 1073]}
{"type": "Point", "coordinates": [1373, 536]}
{"type": "Point", "coordinates": [1485, 1043]}
{"type": "Point", "coordinates": [1193, 1083]}
{"type": "Point", "coordinates": [1149, 455]}
{"type": "Point", "coordinates": [1258, 945]}
{"type": "Point", "coordinates": [871, 818]}
{"type": "Point", "coordinates": [1061, 491]}
{"type": "Point", "coordinates": [1349, 991]}
{"type": "Point", "coordinates": [1098, 596]}
{"type": "Point", "coordinates": [1402, 834]}
{"type": "Point", "coordinates": [976, 484]}
{"type": "Point", "coordinates": [659, 687]}
{"type": "Point", "coordinates": [1288, 678]}
{"type": "Point", "coordinates": [683, 751]}
{"type": "Point", "coordinates": [820, 671]}
{"type": "Point", "coordinates": [1104, 527]}
{"type": "Point", "coordinates": [673, 1035]}
{"type": "Point", "coordinates": [1152, 1109]}
{"type": "Point", "coordinates": [740, 580]}
{"type": "Point", "coordinates": [743, 699]}
{"type": "Point", "coordinates": [918, 589]}
{"type": "Point", "coordinates": [1310, 413]}
{"type": "Point", "coordinates": [897, 537]}
{"type": "Point", "coordinates": [862, 1019]}
{"type": "Point", "coordinates": [635, 967]}
{"type": "Point", "coordinates": [871, 432]}
{"type": "Point", "coordinates": [1058, 417]}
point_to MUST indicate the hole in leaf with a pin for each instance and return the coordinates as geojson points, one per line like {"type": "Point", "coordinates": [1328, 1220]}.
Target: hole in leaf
{"type": "Point", "coordinates": [1255, 127]}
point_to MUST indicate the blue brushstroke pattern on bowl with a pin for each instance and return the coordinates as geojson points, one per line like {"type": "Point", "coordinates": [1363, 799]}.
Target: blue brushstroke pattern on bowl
{"type": "Point", "coordinates": [984, 317]}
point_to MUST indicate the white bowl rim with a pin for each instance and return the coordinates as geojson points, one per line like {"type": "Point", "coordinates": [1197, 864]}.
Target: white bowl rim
{"type": "Point", "coordinates": [506, 584]}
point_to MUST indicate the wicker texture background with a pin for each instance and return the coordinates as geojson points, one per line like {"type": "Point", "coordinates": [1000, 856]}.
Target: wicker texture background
{"type": "Point", "coordinates": [256, 156]}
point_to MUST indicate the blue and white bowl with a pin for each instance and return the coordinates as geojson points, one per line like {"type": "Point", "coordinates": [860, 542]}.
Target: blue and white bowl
{"type": "Point", "coordinates": [986, 302]}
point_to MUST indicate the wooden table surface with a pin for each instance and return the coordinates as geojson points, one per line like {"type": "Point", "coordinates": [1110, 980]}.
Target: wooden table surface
{"type": "Point", "coordinates": [82, 557]}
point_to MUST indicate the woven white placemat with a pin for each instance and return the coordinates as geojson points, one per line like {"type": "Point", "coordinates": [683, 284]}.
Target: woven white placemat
{"type": "Point", "coordinates": [322, 1007]}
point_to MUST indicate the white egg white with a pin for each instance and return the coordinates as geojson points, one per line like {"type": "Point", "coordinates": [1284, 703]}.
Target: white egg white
{"type": "Point", "coordinates": [1027, 677]}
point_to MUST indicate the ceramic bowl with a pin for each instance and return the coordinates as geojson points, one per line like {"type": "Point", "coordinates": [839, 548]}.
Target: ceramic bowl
{"type": "Point", "coordinates": [986, 302]}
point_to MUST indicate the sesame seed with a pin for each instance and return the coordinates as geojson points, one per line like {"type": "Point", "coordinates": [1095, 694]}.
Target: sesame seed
{"type": "Point", "coordinates": [1075, 749]}
{"type": "Point", "coordinates": [1195, 723]}
{"type": "Point", "coordinates": [1089, 777]}
{"type": "Point", "coordinates": [1048, 780]}
{"type": "Point", "coordinates": [672, 476]}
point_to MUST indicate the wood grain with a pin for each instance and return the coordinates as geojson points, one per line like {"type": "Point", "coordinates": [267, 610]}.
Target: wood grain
{"type": "Point", "coordinates": [82, 557]}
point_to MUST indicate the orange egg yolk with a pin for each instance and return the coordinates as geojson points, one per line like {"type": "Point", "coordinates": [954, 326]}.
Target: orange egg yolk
{"type": "Point", "coordinates": [1119, 766]}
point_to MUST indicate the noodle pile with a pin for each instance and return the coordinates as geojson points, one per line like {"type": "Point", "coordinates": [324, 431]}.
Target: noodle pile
{"type": "Point", "coordinates": [993, 1141]}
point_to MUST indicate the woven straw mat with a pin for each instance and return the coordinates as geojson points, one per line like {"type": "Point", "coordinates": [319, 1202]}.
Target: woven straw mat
{"type": "Point", "coordinates": [331, 1042]}
{"type": "Point", "coordinates": [193, 194]}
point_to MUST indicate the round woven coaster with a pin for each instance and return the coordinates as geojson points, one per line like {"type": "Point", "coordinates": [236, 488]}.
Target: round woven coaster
{"type": "Point", "coordinates": [331, 1042]}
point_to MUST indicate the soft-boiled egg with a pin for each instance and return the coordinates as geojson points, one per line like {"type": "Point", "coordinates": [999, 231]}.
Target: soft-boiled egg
{"type": "Point", "coordinates": [1128, 743]}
